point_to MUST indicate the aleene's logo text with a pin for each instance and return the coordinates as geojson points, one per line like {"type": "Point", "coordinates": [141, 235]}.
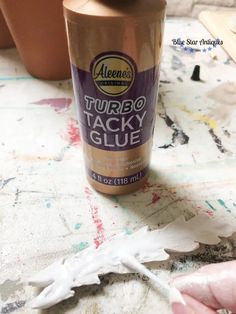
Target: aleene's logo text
{"type": "Point", "coordinates": [113, 74]}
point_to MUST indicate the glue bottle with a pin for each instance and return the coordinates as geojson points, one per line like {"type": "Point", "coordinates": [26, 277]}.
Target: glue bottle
{"type": "Point", "coordinates": [115, 49]}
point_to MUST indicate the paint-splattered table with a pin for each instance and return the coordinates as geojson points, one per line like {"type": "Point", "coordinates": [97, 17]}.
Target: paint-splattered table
{"type": "Point", "coordinates": [47, 209]}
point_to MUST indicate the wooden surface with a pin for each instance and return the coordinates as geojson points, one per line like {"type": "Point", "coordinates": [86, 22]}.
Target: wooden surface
{"type": "Point", "coordinates": [48, 210]}
{"type": "Point", "coordinates": [218, 25]}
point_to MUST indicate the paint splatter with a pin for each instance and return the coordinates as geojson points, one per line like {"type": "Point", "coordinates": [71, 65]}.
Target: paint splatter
{"type": "Point", "coordinates": [165, 82]}
{"type": "Point", "coordinates": [3, 183]}
{"type": "Point", "coordinates": [147, 186]}
{"type": "Point", "coordinates": [9, 288]}
{"type": "Point", "coordinates": [73, 132]}
{"type": "Point", "coordinates": [227, 61]}
{"type": "Point", "coordinates": [64, 221]}
{"type": "Point", "coordinates": [222, 203]}
{"type": "Point", "coordinates": [176, 63]}
{"type": "Point", "coordinates": [48, 204]}
{"type": "Point", "coordinates": [115, 198]}
{"type": "Point", "coordinates": [19, 78]}
{"type": "Point", "coordinates": [155, 199]}
{"type": "Point", "coordinates": [208, 203]}
{"type": "Point", "coordinates": [178, 137]}
{"type": "Point", "coordinates": [118, 203]}
{"type": "Point", "coordinates": [205, 119]}
{"type": "Point", "coordinates": [210, 254]}
{"type": "Point", "coordinates": [17, 194]}
{"type": "Point", "coordinates": [78, 226]}
{"type": "Point", "coordinates": [61, 154]}
{"type": "Point", "coordinates": [99, 239]}
{"type": "Point", "coordinates": [11, 307]}
{"type": "Point", "coordinates": [226, 133]}
{"type": "Point", "coordinates": [199, 117]}
{"type": "Point", "coordinates": [80, 247]}
{"type": "Point", "coordinates": [58, 104]}
{"type": "Point", "coordinates": [100, 236]}
{"type": "Point", "coordinates": [209, 213]}
{"type": "Point", "coordinates": [127, 231]}
{"type": "Point", "coordinates": [218, 142]}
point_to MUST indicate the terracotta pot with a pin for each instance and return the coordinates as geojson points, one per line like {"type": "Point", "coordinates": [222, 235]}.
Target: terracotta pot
{"type": "Point", "coordinates": [38, 29]}
{"type": "Point", "coordinates": [6, 40]}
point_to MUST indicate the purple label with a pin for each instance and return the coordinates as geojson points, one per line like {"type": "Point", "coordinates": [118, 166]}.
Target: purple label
{"type": "Point", "coordinates": [116, 104]}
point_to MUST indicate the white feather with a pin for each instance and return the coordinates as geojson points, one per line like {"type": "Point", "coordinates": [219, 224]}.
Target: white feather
{"type": "Point", "coordinates": [139, 247]}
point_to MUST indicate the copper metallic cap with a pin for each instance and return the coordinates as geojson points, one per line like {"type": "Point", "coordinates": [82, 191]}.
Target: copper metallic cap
{"type": "Point", "coordinates": [98, 9]}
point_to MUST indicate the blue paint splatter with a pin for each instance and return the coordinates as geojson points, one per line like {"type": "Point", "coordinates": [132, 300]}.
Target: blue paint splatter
{"type": "Point", "coordinates": [19, 78]}
{"type": "Point", "coordinates": [48, 204]}
{"type": "Point", "coordinates": [222, 203]}
{"type": "Point", "coordinates": [78, 226]}
{"type": "Point", "coordinates": [208, 203]}
{"type": "Point", "coordinates": [80, 247]}
{"type": "Point", "coordinates": [127, 231]}
{"type": "Point", "coordinates": [227, 61]}
{"type": "Point", "coordinates": [115, 198]}
{"type": "Point", "coordinates": [117, 202]}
